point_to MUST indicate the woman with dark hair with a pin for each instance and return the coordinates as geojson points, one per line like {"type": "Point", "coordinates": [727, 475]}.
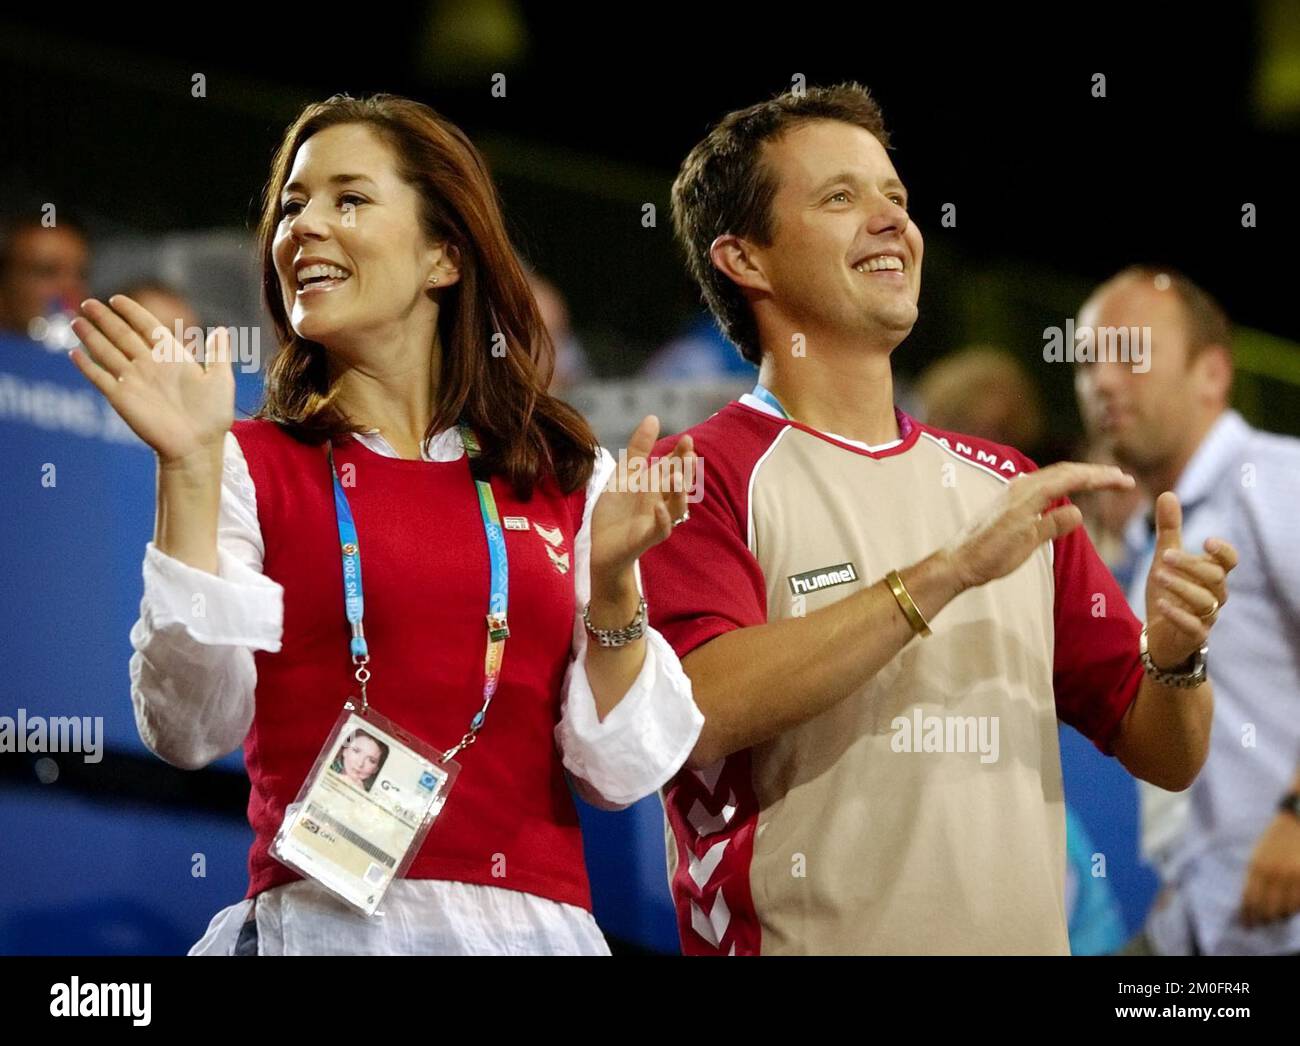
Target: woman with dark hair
{"type": "Point", "coordinates": [406, 422]}
{"type": "Point", "coordinates": [359, 759]}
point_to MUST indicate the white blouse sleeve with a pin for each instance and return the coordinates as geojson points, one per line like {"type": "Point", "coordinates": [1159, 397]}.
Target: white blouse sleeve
{"type": "Point", "coordinates": [192, 672]}
{"type": "Point", "coordinates": [647, 736]}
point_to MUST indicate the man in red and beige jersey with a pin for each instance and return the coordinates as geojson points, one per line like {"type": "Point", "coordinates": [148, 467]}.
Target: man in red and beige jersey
{"type": "Point", "coordinates": [882, 622]}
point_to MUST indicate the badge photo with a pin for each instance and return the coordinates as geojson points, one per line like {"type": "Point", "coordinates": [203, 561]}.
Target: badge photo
{"type": "Point", "coordinates": [365, 809]}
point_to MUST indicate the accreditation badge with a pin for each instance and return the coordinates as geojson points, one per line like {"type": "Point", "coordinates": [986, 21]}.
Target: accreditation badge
{"type": "Point", "coordinates": [365, 808]}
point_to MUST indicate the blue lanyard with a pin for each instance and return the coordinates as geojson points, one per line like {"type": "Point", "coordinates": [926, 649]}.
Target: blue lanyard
{"type": "Point", "coordinates": [761, 393]}
{"type": "Point", "coordinates": [497, 628]}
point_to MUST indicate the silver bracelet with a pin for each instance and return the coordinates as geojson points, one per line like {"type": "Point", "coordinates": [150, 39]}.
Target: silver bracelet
{"type": "Point", "coordinates": [616, 636]}
{"type": "Point", "coordinates": [1193, 676]}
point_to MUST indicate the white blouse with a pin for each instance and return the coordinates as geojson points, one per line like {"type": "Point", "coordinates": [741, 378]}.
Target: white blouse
{"type": "Point", "coordinates": [193, 679]}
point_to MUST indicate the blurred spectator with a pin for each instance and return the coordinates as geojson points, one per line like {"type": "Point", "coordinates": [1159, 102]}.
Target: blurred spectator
{"type": "Point", "coordinates": [702, 352]}
{"type": "Point", "coordinates": [984, 391]}
{"type": "Point", "coordinates": [42, 271]}
{"type": "Point", "coordinates": [171, 307]}
{"type": "Point", "coordinates": [1227, 850]}
{"type": "Point", "coordinates": [571, 366]}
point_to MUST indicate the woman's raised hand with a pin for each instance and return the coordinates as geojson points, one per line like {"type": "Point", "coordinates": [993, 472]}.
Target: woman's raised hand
{"type": "Point", "coordinates": [641, 502]}
{"type": "Point", "coordinates": [176, 402]}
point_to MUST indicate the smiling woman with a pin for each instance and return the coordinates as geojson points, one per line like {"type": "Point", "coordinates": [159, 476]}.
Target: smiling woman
{"type": "Point", "coordinates": [406, 413]}
{"type": "Point", "coordinates": [381, 227]}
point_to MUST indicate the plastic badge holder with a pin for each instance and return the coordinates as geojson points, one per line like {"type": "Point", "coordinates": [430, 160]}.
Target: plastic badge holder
{"type": "Point", "coordinates": [353, 829]}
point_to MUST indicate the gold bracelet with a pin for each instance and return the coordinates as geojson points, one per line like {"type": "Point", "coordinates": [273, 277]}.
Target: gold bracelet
{"type": "Point", "coordinates": [913, 615]}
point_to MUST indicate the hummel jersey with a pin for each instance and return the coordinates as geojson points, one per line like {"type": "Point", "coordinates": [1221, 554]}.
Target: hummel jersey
{"type": "Point", "coordinates": [924, 813]}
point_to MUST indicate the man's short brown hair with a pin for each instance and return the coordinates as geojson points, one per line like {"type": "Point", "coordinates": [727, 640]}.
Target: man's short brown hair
{"type": "Point", "coordinates": [725, 188]}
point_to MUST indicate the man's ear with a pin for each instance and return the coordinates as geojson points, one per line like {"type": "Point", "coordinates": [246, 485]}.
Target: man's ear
{"type": "Point", "coordinates": [734, 258]}
{"type": "Point", "coordinates": [1214, 364]}
{"type": "Point", "coordinates": [446, 265]}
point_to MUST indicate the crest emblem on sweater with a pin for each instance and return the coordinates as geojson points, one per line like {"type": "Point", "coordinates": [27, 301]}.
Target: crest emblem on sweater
{"type": "Point", "coordinates": [553, 536]}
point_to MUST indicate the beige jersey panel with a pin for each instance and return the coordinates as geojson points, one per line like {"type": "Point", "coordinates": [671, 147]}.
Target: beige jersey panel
{"type": "Point", "coordinates": [865, 847]}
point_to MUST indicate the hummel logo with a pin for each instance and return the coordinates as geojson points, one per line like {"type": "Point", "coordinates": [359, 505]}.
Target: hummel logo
{"type": "Point", "coordinates": [822, 577]}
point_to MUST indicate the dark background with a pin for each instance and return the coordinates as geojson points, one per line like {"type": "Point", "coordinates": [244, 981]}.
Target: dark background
{"type": "Point", "coordinates": [992, 112]}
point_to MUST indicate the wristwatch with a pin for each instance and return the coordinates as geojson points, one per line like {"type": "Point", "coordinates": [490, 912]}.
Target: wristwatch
{"type": "Point", "coordinates": [1290, 804]}
{"type": "Point", "coordinates": [1190, 676]}
{"type": "Point", "coordinates": [616, 636]}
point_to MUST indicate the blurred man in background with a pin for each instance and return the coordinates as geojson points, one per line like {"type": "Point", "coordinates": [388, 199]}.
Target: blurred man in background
{"type": "Point", "coordinates": [984, 391]}
{"type": "Point", "coordinates": [1228, 850]}
{"type": "Point", "coordinates": [42, 270]}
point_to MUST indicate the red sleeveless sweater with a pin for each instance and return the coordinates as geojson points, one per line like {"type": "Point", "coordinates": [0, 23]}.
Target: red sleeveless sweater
{"type": "Point", "coordinates": [424, 564]}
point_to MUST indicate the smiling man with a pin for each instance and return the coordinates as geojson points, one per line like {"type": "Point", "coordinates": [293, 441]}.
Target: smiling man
{"type": "Point", "coordinates": [851, 575]}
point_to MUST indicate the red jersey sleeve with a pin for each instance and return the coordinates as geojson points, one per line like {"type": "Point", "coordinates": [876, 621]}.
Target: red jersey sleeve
{"type": "Point", "coordinates": [1096, 669]}
{"type": "Point", "coordinates": [703, 581]}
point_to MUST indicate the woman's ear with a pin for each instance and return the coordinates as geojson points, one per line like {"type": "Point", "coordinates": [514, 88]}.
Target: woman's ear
{"type": "Point", "coordinates": [446, 265]}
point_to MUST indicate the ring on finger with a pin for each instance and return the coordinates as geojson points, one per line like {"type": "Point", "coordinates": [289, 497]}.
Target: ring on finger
{"type": "Point", "coordinates": [1209, 614]}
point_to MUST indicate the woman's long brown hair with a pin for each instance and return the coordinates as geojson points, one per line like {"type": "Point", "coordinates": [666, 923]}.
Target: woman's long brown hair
{"type": "Point", "coordinates": [525, 432]}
